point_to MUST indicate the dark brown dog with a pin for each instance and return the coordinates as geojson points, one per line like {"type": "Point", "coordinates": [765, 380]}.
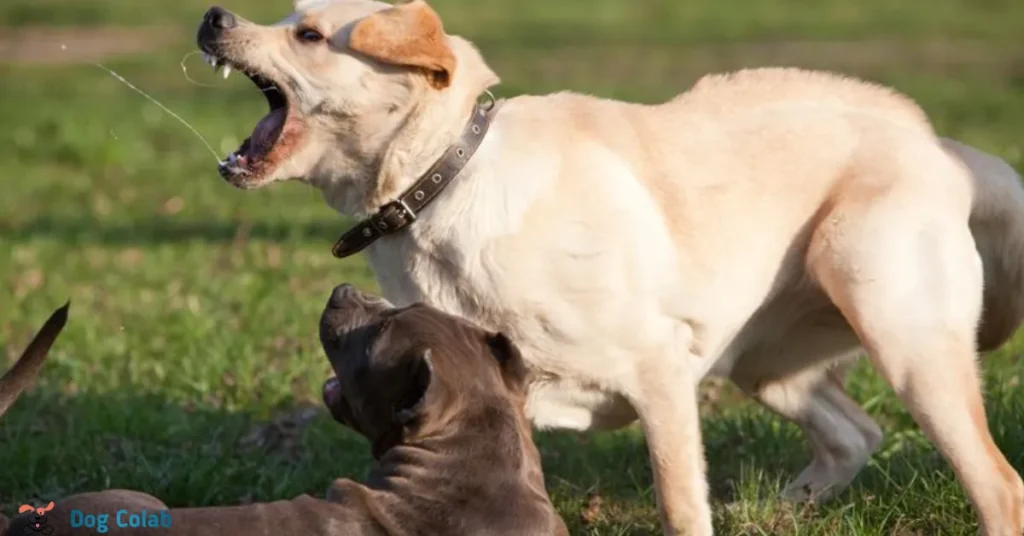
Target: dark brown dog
{"type": "Point", "coordinates": [441, 402]}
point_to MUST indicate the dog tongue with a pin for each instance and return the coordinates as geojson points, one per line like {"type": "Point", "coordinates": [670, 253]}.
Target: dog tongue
{"type": "Point", "coordinates": [266, 132]}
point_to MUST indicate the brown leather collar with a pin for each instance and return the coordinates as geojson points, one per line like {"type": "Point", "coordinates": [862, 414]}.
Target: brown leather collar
{"type": "Point", "coordinates": [400, 213]}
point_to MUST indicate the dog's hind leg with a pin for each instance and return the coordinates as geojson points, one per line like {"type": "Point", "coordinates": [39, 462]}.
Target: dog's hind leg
{"type": "Point", "coordinates": [906, 275]}
{"type": "Point", "coordinates": [842, 437]}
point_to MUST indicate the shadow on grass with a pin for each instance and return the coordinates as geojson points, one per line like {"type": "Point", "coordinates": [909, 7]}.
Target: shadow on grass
{"type": "Point", "coordinates": [54, 445]}
{"type": "Point", "coordinates": [187, 456]}
{"type": "Point", "coordinates": [907, 487]}
{"type": "Point", "coordinates": [85, 230]}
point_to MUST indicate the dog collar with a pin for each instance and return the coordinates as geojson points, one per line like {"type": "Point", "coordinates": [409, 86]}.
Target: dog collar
{"type": "Point", "coordinates": [400, 213]}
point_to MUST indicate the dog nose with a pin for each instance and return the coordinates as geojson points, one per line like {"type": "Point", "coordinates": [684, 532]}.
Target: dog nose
{"type": "Point", "coordinates": [342, 293]}
{"type": "Point", "coordinates": [220, 18]}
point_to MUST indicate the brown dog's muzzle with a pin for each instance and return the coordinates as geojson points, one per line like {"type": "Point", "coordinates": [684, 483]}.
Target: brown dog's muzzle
{"type": "Point", "coordinates": [349, 309]}
{"type": "Point", "coordinates": [346, 296]}
{"type": "Point", "coordinates": [346, 325]}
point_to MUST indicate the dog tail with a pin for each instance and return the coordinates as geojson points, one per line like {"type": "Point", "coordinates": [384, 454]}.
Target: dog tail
{"type": "Point", "coordinates": [28, 365]}
{"type": "Point", "coordinates": [997, 223]}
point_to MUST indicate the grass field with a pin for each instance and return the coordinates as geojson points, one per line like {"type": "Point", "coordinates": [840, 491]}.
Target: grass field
{"type": "Point", "coordinates": [190, 367]}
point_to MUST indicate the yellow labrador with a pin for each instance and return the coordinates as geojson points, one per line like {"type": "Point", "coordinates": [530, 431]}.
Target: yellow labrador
{"type": "Point", "coordinates": [764, 225]}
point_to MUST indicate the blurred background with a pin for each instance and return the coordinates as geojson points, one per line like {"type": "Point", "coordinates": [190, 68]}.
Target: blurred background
{"type": "Point", "coordinates": [191, 368]}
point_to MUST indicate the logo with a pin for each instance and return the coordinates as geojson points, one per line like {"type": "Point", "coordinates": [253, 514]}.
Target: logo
{"type": "Point", "coordinates": [122, 518]}
{"type": "Point", "coordinates": [37, 523]}
{"type": "Point", "coordinates": [36, 520]}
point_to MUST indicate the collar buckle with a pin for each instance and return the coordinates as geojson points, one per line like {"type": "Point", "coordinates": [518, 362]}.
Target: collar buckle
{"type": "Point", "coordinates": [392, 217]}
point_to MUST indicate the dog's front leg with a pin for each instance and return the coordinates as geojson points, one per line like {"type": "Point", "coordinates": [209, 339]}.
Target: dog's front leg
{"type": "Point", "coordinates": [665, 398]}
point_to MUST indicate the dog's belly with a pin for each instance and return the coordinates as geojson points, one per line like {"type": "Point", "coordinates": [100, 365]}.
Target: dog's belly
{"type": "Point", "coordinates": [798, 328]}
{"type": "Point", "coordinates": [562, 403]}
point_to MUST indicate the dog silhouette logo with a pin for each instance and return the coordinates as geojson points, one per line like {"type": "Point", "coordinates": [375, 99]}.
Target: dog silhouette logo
{"type": "Point", "coordinates": [38, 523]}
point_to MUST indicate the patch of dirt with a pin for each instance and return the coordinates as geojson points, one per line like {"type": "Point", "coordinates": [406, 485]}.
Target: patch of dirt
{"type": "Point", "coordinates": [283, 434]}
{"type": "Point", "coordinates": [47, 45]}
{"type": "Point", "coordinates": [592, 512]}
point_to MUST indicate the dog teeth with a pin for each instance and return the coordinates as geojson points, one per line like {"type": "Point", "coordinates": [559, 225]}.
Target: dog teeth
{"type": "Point", "coordinates": [219, 65]}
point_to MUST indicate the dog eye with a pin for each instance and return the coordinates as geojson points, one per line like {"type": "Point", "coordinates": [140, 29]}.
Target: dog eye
{"type": "Point", "coordinates": [309, 35]}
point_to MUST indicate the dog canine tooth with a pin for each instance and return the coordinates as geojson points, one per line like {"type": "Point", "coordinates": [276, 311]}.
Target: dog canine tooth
{"type": "Point", "coordinates": [226, 72]}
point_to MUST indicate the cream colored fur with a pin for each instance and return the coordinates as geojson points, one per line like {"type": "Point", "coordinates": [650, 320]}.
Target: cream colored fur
{"type": "Point", "coordinates": [763, 226]}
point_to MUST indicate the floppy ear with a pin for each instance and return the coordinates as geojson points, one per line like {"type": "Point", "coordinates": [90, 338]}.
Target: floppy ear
{"type": "Point", "coordinates": [510, 359]}
{"type": "Point", "coordinates": [48, 507]}
{"type": "Point", "coordinates": [409, 35]}
{"type": "Point", "coordinates": [417, 380]}
{"type": "Point", "coordinates": [25, 508]}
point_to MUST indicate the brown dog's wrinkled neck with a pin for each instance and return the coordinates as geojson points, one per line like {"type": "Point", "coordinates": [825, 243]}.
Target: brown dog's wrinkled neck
{"type": "Point", "coordinates": [432, 449]}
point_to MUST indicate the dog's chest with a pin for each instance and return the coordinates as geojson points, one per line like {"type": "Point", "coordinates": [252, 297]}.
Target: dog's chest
{"type": "Point", "coordinates": [566, 314]}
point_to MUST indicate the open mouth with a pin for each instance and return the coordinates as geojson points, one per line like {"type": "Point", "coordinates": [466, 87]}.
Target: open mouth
{"type": "Point", "coordinates": [332, 392]}
{"type": "Point", "coordinates": [271, 140]}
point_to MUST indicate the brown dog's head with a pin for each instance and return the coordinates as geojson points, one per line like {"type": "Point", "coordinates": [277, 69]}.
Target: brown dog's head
{"type": "Point", "coordinates": [407, 372]}
{"type": "Point", "coordinates": [342, 79]}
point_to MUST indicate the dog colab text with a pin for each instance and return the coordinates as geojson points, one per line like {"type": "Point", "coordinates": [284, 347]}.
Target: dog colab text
{"type": "Point", "coordinates": [122, 518]}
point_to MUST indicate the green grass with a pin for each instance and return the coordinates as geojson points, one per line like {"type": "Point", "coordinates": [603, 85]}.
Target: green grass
{"type": "Point", "coordinates": [192, 340]}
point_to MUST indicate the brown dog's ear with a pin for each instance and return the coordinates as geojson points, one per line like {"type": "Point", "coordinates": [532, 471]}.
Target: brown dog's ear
{"type": "Point", "coordinates": [510, 359]}
{"type": "Point", "coordinates": [31, 361]}
{"type": "Point", "coordinates": [409, 35]}
{"type": "Point", "coordinates": [416, 382]}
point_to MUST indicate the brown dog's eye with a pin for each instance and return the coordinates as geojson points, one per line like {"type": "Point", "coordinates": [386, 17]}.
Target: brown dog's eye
{"type": "Point", "coordinates": [309, 35]}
